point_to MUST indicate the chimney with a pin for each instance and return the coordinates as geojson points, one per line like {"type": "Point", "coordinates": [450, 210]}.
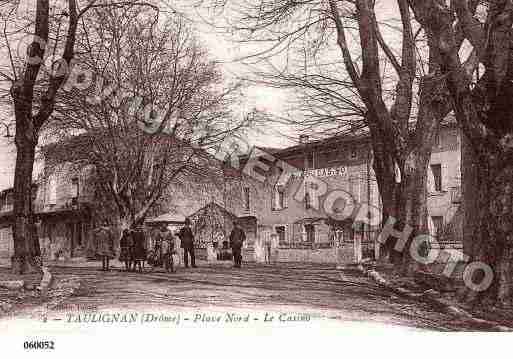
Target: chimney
{"type": "Point", "coordinates": [303, 139]}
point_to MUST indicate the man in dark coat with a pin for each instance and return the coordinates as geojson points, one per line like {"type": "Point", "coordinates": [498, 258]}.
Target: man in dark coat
{"type": "Point", "coordinates": [126, 249]}
{"type": "Point", "coordinates": [139, 249]}
{"type": "Point", "coordinates": [187, 243]}
{"type": "Point", "coordinates": [237, 238]}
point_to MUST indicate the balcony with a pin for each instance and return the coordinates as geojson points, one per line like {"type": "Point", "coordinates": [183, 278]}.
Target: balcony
{"type": "Point", "coordinates": [455, 194]}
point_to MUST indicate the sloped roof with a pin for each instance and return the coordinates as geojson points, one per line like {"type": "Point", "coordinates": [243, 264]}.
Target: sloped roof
{"type": "Point", "coordinates": [216, 206]}
{"type": "Point", "coordinates": [170, 217]}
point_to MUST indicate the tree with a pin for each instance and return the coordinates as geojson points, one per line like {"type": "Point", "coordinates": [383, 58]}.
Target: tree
{"type": "Point", "coordinates": [34, 93]}
{"type": "Point", "coordinates": [385, 99]}
{"type": "Point", "coordinates": [146, 105]}
{"type": "Point", "coordinates": [482, 96]}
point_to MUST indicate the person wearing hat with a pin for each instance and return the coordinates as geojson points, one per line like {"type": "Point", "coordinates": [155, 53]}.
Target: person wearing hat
{"type": "Point", "coordinates": [187, 243]}
{"type": "Point", "coordinates": [104, 244]}
{"type": "Point", "coordinates": [268, 245]}
{"type": "Point", "coordinates": [237, 238]}
{"type": "Point", "coordinates": [126, 246]}
{"type": "Point", "coordinates": [139, 248]}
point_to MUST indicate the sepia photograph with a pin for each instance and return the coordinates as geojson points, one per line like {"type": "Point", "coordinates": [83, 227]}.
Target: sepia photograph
{"type": "Point", "coordinates": [256, 177]}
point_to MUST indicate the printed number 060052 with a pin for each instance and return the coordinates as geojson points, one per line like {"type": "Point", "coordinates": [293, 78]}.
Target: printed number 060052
{"type": "Point", "coordinates": [44, 345]}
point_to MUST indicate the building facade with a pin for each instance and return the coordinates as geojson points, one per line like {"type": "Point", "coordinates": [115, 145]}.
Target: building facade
{"type": "Point", "coordinates": [62, 207]}
{"type": "Point", "coordinates": [300, 213]}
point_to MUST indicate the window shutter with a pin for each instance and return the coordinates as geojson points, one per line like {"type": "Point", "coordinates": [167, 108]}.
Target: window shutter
{"type": "Point", "coordinates": [296, 229]}
{"type": "Point", "coordinates": [430, 182]}
{"type": "Point", "coordinates": [52, 190]}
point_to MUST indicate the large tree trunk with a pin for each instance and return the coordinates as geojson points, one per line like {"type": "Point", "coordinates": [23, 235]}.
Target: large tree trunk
{"type": "Point", "coordinates": [26, 254]}
{"type": "Point", "coordinates": [469, 188]}
{"type": "Point", "coordinates": [391, 194]}
{"type": "Point", "coordinates": [483, 111]}
{"type": "Point", "coordinates": [494, 230]}
{"type": "Point", "coordinates": [403, 184]}
{"type": "Point", "coordinates": [433, 107]}
{"type": "Point", "coordinates": [416, 201]}
{"type": "Point", "coordinates": [407, 202]}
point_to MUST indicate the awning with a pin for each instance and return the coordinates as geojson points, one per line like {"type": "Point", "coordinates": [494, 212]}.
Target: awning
{"type": "Point", "coordinates": [7, 218]}
{"type": "Point", "coordinates": [64, 214]}
{"type": "Point", "coordinates": [168, 218]}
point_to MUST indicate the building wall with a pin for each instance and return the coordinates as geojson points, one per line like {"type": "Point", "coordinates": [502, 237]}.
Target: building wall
{"type": "Point", "coordinates": [446, 203]}
{"type": "Point", "coordinates": [56, 189]}
{"type": "Point", "coordinates": [66, 236]}
{"type": "Point", "coordinates": [358, 180]}
{"type": "Point", "coordinates": [58, 235]}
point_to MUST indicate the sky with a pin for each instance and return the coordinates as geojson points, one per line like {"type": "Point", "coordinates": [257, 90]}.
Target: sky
{"type": "Point", "coordinates": [226, 52]}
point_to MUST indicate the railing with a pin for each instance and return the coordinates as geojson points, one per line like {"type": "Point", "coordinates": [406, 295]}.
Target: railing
{"type": "Point", "coordinates": [306, 245]}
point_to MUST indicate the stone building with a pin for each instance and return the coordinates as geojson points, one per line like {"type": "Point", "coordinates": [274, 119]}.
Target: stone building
{"type": "Point", "coordinates": [63, 213]}
{"type": "Point", "coordinates": [6, 219]}
{"type": "Point", "coordinates": [306, 231]}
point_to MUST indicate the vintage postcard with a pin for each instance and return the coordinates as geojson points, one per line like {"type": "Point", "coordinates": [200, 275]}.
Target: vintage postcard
{"type": "Point", "coordinates": [255, 177]}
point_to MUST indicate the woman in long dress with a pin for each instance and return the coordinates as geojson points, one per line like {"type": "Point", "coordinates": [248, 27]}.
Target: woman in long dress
{"type": "Point", "coordinates": [104, 244]}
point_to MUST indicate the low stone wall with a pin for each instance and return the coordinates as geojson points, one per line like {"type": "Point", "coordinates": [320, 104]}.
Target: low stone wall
{"type": "Point", "coordinates": [307, 255]}
{"type": "Point", "coordinates": [450, 259]}
{"type": "Point", "coordinates": [319, 255]}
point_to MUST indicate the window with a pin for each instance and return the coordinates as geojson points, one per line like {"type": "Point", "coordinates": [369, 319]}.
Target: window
{"type": "Point", "coordinates": [436, 142]}
{"type": "Point", "coordinates": [438, 225]}
{"type": "Point", "coordinates": [9, 201]}
{"type": "Point", "coordinates": [279, 198]}
{"type": "Point", "coordinates": [79, 234]}
{"type": "Point", "coordinates": [334, 156]}
{"type": "Point", "coordinates": [354, 154]}
{"type": "Point", "coordinates": [308, 203]}
{"type": "Point", "coordinates": [280, 231]}
{"type": "Point", "coordinates": [246, 198]}
{"type": "Point", "coordinates": [310, 233]}
{"type": "Point", "coordinates": [310, 160]}
{"type": "Point", "coordinates": [436, 169]}
{"type": "Point", "coordinates": [74, 189]}
{"type": "Point", "coordinates": [156, 174]}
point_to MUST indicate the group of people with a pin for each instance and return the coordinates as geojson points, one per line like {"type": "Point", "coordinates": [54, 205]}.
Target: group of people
{"type": "Point", "coordinates": [134, 253]}
{"type": "Point", "coordinates": [133, 246]}
{"type": "Point", "coordinates": [133, 249]}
